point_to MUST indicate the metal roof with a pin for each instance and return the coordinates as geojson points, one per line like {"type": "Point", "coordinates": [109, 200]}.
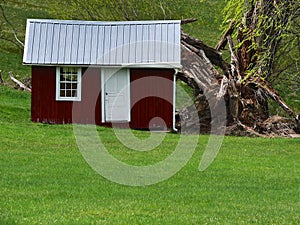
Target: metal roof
{"type": "Point", "coordinates": [134, 43]}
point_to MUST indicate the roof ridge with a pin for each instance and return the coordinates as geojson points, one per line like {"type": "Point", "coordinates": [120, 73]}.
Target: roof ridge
{"type": "Point", "coordinates": [85, 22]}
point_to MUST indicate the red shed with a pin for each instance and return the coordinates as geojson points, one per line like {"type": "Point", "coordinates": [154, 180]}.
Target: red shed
{"type": "Point", "coordinates": [103, 73]}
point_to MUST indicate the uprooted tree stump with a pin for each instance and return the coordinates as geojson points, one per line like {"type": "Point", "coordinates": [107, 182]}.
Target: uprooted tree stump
{"type": "Point", "coordinates": [246, 103]}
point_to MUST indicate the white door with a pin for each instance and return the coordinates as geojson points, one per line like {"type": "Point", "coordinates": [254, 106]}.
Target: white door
{"type": "Point", "coordinates": [117, 94]}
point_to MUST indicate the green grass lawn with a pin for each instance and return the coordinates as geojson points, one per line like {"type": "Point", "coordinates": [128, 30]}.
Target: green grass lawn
{"type": "Point", "coordinates": [45, 180]}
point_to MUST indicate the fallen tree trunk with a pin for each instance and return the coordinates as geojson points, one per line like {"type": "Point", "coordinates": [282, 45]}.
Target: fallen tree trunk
{"type": "Point", "coordinates": [19, 83]}
{"type": "Point", "coordinates": [209, 89]}
{"type": "Point", "coordinates": [212, 54]}
{"type": "Point", "coordinates": [190, 20]}
{"type": "Point", "coordinates": [275, 96]}
{"type": "Point", "coordinates": [246, 105]}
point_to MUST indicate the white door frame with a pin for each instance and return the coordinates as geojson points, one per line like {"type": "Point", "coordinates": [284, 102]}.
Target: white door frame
{"type": "Point", "coordinates": [107, 72]}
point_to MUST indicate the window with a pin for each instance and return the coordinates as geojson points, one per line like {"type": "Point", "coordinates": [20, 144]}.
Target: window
{"type": "Point", "coordinates": [68, 83]}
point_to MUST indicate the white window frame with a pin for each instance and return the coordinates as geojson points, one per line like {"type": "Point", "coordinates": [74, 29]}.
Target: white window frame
{"type": "Point", "coordinates": [78, 97]}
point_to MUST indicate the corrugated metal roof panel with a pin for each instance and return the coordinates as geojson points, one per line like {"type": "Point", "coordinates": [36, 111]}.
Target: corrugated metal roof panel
{"type": "Point", "coordinates": [63, 42]}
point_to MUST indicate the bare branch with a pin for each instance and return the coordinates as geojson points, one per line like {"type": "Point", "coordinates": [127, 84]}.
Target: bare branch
{"type": "Point", "coordinates": [23, 86]}
{"type": "Point", "coordinates": [162, 9]}
{"type": "Point", "coordinates": [234, 60]}
{"type": "Point", "coordinates": [1, 80]}
{"type": "Point", "coordinates": [123, 8]}
{"type": "Point", "coordinates": [11, 26]}
{"type": "Point", "coordinates": [11, 41]}
{"type": "Point", "coordinates": [189, 20]}
{"type": "Point", "coordinates": [272, 94]}
{"type": "Point", "coordinates": [222, 43]}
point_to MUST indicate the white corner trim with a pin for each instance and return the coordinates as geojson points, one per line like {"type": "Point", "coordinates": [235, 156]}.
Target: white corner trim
{"type": "Point", "coordinates": [102, 80]}
{"type": "Point", "coordinates": [26, 41]}
{"type": "Point", "coordinates": [174, 99]}
{"type": "Point", "coordinates": [129, 94]}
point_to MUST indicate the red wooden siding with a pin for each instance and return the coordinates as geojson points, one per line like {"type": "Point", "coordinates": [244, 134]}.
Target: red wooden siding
{"type": "Point", "coordinates": [151, 96]}
{"type": "Point", "coordinates": [88, 110]}
{"type": "Point", "coordinates": [45, 108]}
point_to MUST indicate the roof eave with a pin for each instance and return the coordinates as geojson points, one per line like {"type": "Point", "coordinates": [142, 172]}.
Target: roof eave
{"type": "Point", "coordinates": [167, 65]}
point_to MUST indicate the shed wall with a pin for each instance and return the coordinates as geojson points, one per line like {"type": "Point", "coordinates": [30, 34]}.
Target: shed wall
{"type": "Point", "coordinates": [151, 97]}
{"type": "Point", "coordinates": [45, 108]}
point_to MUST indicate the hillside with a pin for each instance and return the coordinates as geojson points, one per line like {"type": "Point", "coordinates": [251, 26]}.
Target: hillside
{"type": "Point", "coordinates": [207, 28]}
{"type": "Point", "coordinates": [17, 11]}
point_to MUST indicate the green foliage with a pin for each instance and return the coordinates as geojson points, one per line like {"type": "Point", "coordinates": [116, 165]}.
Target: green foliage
{"type": "Point", "coordinates": [45, 180]}
{"type": "Point", "coordinates": [271, 36]}
{"type": "Point", "coordinates": [234, 10]}
{"type": "Point", "coordinates": [272, 28]}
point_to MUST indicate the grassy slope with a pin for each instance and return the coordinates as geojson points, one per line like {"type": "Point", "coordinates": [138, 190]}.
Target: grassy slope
{"type": "Point", "coordinates": [45, 180]}
{"type": "Point", "coordinates": [206, 28]}
{"type": "Point", "coordinates": [19, 10]}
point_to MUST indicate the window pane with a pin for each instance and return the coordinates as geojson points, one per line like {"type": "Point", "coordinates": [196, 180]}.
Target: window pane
{"type": "Point", "coordinates": [62, 93]}
{"type": "Point", "coordinates": [74, 93]}
{"type": "Point", "coordinates": [68, 85]}
{"type": "Point", "coordinates": [74, 86]}
{"type": "Point", "coordinates": [62, 86]}
{"type": "Point", "coordinates": [74, 78]}
{"type": "Point", "coordinates": [74, 70]}
{"type": "Point", "coordinates": [68, 93]}
{"type": "Point", "coordinates": [67, 77]}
